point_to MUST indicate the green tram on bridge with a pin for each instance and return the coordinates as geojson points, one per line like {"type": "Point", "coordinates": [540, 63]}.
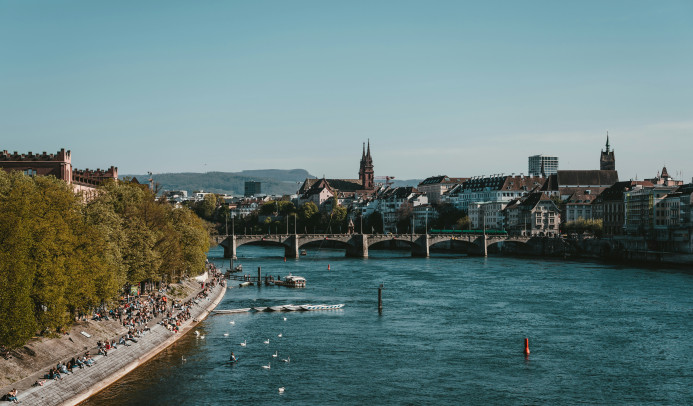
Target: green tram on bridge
{"type": "Point", "coordinates": [469, 232]}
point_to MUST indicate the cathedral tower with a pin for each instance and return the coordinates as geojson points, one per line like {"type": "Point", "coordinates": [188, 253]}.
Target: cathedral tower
{"type": "Point", "coordinates": [366, 169]}
{"type": "Point", "coordinates": [607, 162]}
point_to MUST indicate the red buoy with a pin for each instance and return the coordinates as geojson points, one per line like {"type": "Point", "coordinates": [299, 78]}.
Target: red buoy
{"type": "Point", "coordinates": [328, 267]}
{"type": "Point", "coordinates": [284, 259]}
{"type": "Point", "coordinates": [526, 352]}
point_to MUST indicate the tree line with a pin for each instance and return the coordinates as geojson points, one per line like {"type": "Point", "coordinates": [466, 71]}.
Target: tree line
{"type": "Point", "coordinates": [62, 256]}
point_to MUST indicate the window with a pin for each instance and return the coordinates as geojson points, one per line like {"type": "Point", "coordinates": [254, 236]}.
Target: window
{"type": "Point", "coordinates": [30, 172]}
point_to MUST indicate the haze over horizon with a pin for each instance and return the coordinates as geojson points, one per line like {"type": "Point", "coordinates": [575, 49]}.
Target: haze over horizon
{"type": "Point", "coordinates": [451, 87]}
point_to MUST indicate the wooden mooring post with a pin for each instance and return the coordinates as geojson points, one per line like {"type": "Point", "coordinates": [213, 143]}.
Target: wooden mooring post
{"type": "Point", "coordinates": [380, 298]}
{"type": "Point", "coordinates": [259, 277]}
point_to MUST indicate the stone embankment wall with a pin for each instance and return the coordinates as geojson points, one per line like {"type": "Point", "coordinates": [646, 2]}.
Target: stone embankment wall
{"type": "Point", "coordinates": [624, 249]}
{"type": "Point", "coordinates": [83, 383]}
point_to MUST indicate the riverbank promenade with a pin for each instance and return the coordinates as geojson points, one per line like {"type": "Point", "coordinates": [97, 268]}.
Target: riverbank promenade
{"type": "Point", "coordinates": [82, 383]}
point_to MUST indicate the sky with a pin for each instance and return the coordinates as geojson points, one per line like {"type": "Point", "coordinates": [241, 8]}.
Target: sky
{"type": "Point", "coordinates": [461, 88]}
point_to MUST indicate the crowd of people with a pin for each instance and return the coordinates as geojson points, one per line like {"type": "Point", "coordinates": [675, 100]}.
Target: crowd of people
{"type": "Point", "coordinates": [136, 315]}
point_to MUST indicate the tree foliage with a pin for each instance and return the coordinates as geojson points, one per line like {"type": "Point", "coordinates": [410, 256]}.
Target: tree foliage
{"type": "Point", "coordinates": [582, 226]}
{"type": "Point", "coordinates": [62, 256]}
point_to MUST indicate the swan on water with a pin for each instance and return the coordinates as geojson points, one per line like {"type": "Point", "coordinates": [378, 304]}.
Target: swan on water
{"type": "Point", "coordinates": [226, 334]}
{"type": "Point", "coordinates": [197, 333]}
{"type": "Point", "coordinates": [232, 322]}
{"type": "Point", "coordinates": [243, 343]}
{"type": "Point", "coordinates": [266, 366]}
{"type": "Point", "coordinates": [288, 359]}
{"type": "Point", "coordinates": [275, 354]}
{"type": "Point", "coordinates": [280, 335]}
{"type": "Point", "coordinates": [281, 390]}
{"type": "Point", "coordinates": [202, 337]}
{"type": "Point", "coordinates": [284, 318]}
{"type": "Point", "coordinates": [267, 341]}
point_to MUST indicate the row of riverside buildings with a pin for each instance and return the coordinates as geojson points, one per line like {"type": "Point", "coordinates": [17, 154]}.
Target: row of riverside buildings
{"type": "Point", "coordinates": [536, 205]}
{"type": "Point", "coordinates": [658, 209]}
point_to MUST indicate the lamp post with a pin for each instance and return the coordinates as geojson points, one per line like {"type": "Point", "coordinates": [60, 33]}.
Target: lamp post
{"type": "Point", "coordinates": [426, 220]}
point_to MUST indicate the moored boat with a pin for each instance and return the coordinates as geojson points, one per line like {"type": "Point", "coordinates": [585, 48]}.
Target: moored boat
{"type": "Point", "coordinates": [229, 311]}
{"type": "Point", "coordinates": [292, 281]}
{"type": "Point", "coordinates": [322, 307]}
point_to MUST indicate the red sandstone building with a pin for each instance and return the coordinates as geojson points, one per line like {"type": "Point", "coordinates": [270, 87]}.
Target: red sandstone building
{"type": "Point", "coordinates": [58, 165]}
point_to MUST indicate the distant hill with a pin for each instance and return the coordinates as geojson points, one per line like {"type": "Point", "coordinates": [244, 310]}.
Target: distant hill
{"type": "Point", "coordinates": [406, 182]}
{"type": "Point", "coordinates": [274, 181]}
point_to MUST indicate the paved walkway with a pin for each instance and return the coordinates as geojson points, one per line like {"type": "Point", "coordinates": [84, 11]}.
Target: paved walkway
{"type": "Point", "coordinates": [77, 387]}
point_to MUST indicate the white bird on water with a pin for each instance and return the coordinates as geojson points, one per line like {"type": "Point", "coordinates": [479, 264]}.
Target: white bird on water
{"type": "Point", "coordinates": [284, 318]}
{"type": "Point", "coordinates": [197, 333]}
{"type": "Point", "coordinates": [275, 354]}
{"type": "Point", "coordinates": [280, 335]}
{"type": "Point", "coordinates": [267, 341]}
{"type": "Point", "coordinates": [266, 366]}
{"type": "Point", "coordinates": [287, 360]}
{"type": "Point", "coordinates": [182, 358]}
{"type": "Point", "coordinates": [232, 322]}
{"type": "Point", "coordinates": [243, 343]}
{"type": "Point", "coordinates": [226, 334]}
{"type": "Point", "coordinates": [202, 337]}
{"type": "Point", "coordinates": [281, 390]}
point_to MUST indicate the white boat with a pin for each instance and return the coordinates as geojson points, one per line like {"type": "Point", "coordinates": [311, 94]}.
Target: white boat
{"type": "Point", "coordinates": [292, 281]}
{"type": "Point", "coordinates": [321, 307]}
{"type": "Point", "coordinates": [247, 309]}
{"type": "Point", "coordinates": [291, 308]}
{"type": "Point", "coordinates": [276, 308]}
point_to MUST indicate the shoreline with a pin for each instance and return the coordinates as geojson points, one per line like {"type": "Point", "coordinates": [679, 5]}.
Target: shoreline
{"type": "Point", "coordinates": [106, 371]}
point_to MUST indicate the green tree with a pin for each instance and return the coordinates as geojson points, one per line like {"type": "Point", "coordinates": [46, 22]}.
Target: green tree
{"type": "Point", "coordinates": [308, 215]}
{"type": "Point", "coordinates": [207, 206]}
{"type": "Point", "coordinates": [373, 223]}
{"type": "Point", "coordinates": [17, 225]}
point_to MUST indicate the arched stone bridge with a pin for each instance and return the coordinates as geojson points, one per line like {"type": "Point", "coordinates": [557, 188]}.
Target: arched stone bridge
{"type": "Point", "coordinates": [356, 245]}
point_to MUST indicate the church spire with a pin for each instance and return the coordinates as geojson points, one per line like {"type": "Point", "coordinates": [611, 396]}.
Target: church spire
{"type": "Point", "coordinates": [607, 162]}
{"type": "Point", "coordinates": [366, 169]}
{"type": "Point", "coordinates": [607, 142]}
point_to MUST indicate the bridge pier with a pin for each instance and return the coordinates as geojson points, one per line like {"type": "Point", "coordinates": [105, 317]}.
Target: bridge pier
{"type": "Point", "coordinates": [291, 247]}
{"type": "Point", "coordinates": [230, 247]}
{"type": "Point", "coordinates": [358, 246]}
{"type": "Point", "coordinates": [420, 247]}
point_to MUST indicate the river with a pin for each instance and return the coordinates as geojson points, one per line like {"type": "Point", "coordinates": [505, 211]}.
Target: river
{"type": "Point", "coordinates": [451, 332]}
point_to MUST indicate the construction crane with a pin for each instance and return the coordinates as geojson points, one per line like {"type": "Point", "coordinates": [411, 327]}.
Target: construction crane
{"type": "Point", "coordinates": [388, 179]}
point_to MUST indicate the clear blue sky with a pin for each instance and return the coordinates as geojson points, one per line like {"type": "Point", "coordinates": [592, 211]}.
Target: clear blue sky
{"type": "Point", "coordinates": [439, 87]}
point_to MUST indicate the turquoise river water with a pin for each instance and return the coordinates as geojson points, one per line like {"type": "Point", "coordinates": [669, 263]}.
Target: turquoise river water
{"type": "Point", "coordinates": [451, 332]}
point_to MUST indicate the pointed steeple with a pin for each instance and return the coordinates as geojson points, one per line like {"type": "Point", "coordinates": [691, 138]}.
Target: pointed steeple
{"type": "Point", "coordinates": [607, 142]}
{"type": "Point", "coordinates": [608, 160]}
{"type": "Point", "coordinates": [363, 154]}
{"type": "Point", "coordinates": [366, 169]}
